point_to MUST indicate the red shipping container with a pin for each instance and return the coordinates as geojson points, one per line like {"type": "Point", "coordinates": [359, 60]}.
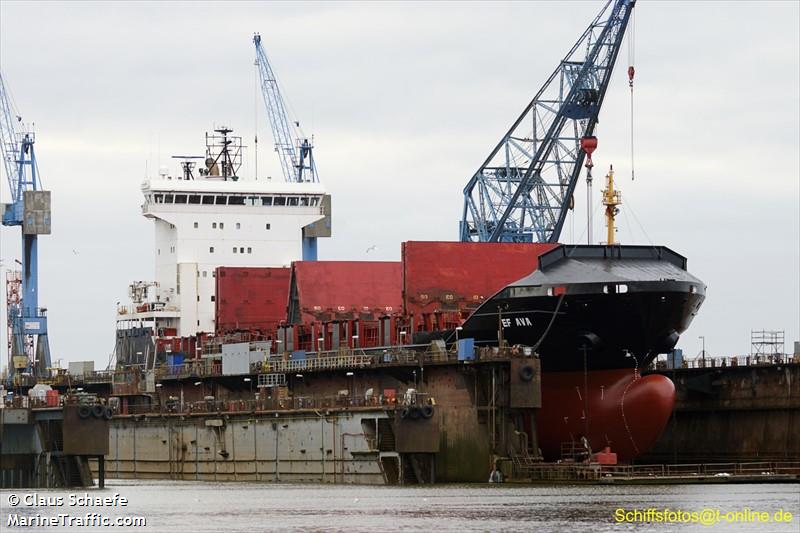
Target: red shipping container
{"type": "Point", "coordinates": [456, 277]}
{"type": "Point", "coordinates": [324, 291]}
{"type": "Point", "coordinates": [251, 298]}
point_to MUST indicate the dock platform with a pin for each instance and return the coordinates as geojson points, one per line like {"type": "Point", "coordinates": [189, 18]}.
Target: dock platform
{"type": "Point", "coordinates": [660, 474]}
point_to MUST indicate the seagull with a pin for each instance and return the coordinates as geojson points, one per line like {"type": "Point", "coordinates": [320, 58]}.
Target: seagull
{"type": "Point", "coordinates": [74, 251]}
{"type": "Point", "coordinates": [373, 247]}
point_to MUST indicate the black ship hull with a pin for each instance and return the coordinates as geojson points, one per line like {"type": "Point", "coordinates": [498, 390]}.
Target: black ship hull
{"type": "Point", "coordinates": [582, 310]}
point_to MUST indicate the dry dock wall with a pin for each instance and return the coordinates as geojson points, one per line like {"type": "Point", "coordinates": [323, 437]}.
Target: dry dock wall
{"type": "Point", "coordinates": [464, 446]}
{"type": "Point", "coordinates": [744, 413]}
{"type": "Point", "coordinates": [472, 419]}
{"type": "Point", "coordinates": [339, 448]}
{"type": "Point", "coordinates": [48, 447]}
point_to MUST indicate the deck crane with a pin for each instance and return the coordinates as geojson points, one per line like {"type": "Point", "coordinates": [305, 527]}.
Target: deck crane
{"type": "Point", "coordinates": [29, 208]}
{"type": "Point", "coordinates": [295, 151]}
{"type": "Point", "coordinates": [522, 191]}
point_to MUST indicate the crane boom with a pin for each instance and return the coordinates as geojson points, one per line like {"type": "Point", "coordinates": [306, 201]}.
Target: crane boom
{"type": "Point", "coordinates": [9, 145]}
{"type": "Point", "coordinates": [522, 191]}
{"type": "Point", "coordinates": [297, 161]}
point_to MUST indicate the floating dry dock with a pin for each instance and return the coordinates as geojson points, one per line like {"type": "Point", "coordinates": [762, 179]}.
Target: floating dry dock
{"type": "Point", "coordinates": [733, 409]}
{"type": "Point", "coordinates": [407, 415]}
{"type": "Point", "coordinates": [50, 447]}
{"type": "Point", "coordinates": [413, 417]}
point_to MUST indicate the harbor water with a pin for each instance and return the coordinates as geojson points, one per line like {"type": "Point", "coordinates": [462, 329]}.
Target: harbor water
{"type": "Point", "coordinates": [245, 507]}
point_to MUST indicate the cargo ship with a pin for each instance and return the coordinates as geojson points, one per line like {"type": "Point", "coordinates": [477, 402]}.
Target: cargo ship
{"type": "Point", "coordinates": [236, 262]}
{"type": "Point", "coordinates": [595, 315]}
{"type": "Point", "coordinates": [234, 258]}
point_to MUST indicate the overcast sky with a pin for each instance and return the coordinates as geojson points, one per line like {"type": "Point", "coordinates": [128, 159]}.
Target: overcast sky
{"type": "Point", "coordinates": [405, 100]}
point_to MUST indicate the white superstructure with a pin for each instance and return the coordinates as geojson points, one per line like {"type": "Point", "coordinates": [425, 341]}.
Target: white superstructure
{"type": "Point", "coordinates": [209, 221]}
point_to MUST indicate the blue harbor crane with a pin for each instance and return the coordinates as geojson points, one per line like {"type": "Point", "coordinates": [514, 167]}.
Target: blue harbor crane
{"type": "Point", "coordinates": [295, 151]}
{"type": "Point", "coordinates": [523, 190]}
{"type": "Point", "coordinates": [29, 208]}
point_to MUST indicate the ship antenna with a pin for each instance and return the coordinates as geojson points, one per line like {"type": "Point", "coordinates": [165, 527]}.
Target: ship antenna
{"type": "Point", "coordinates": [611, 199]}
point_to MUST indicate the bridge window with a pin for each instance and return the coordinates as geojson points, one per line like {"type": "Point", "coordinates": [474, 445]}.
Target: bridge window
{"type": "Point", "coordinates": [195, 225]}
{"type": "Point", "coordinates": [304, 200]}
{"type": "Point", "coordinates": [238, 225]}
{"type": "Point", "coordinates": [208, 200]}
{"type": "Point", "coordinates": [221, 225]}
{"type": "Point", "coordinates": [279, 200]}
{"type": "Point", "coordinates": [266, 200]}
{"type": "Point", "coordinates": [167, 198]}
{"type": "Point", "coordinates": [194, 198]}
{"type": "Point", "coordinates": [234, 249]}
{"type": "Point", "coordinates": [249, 250]}
{"type": "Point", "coordinates": [159, 198]}
{"type": "Point", "coordinates": [180, 198]}
{"type": "Point", "coordinates": [236, 200]}
{"type": "Point", "coordinates": [213, 225]}
{"type": "Point", "coordinates": [268, 226]}
{"type": "Point", "coordinates": [211, 249]}
{"type": "Point", "coordinates": [221, 200]}
{"type": "Point", "coordinates": [293, 200]}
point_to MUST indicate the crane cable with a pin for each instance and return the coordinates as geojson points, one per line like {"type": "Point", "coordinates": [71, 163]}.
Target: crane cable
{"type": "Point", "coordinates": [631, 73]}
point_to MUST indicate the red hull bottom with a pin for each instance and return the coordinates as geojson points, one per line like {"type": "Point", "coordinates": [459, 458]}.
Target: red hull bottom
{"type": "Point", "coordinates": [626, 412]}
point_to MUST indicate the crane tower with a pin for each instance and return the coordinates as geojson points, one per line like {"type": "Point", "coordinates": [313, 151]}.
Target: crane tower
{"type": "Point", "coordinates": [29, 208]}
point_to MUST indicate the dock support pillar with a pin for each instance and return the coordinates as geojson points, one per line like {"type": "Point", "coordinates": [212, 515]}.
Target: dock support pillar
{"type": "Point", "coordinates": [101, 471]}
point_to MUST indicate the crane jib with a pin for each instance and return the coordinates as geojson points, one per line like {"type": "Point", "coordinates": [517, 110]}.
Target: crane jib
{"type": "Point", "coordinates": [294, 151]}
{"type": "Point", "coordinates": [521, 191]}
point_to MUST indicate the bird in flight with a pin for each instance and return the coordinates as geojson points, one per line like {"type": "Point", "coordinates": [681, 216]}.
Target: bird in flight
{"type": "Point", "coordinates": [373, 247]}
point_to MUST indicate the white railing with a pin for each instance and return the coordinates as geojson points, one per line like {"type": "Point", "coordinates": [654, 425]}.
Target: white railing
{"type": "Point", "coordinates": [735, 360]}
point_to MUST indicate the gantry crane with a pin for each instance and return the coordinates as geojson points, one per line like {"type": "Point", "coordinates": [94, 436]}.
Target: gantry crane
{"type": "Point", "coordinates": [29, 208]}
{"type": "Point", "coordinates": [522, 191]}
{"type": "Point", "coordinates": [295, 151]}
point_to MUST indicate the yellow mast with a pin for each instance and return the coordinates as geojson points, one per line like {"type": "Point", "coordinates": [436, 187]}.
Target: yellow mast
{"type": "Point", "coordinates": [611, 199]}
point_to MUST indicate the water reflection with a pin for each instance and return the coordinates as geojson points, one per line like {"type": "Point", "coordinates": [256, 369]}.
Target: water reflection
{"type": "Point", "coordinates": [240, 507]}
